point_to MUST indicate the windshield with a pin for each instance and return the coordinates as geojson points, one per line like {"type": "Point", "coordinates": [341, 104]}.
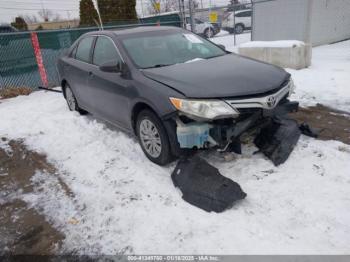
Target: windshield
{"type": "Point", "coordinates": [169, 49]}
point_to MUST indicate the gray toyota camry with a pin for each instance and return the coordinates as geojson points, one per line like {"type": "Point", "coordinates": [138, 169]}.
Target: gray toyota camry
{"type": "Point", "coordinates": [175, 90]}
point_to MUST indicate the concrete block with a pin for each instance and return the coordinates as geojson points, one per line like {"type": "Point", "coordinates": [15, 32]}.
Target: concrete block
{"type": "Point", "coordinates": [287, 54]}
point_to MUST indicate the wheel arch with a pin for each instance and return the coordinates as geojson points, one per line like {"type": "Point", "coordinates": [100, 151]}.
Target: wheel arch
{"type": "Point", "coordinates": [209, 28]}
{"type": "Point", "coordinates": [137, 108]}
{"type": "Point", "coordinates": [240, 23]}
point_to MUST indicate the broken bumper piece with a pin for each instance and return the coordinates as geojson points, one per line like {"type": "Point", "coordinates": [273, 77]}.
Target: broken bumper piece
{"type": "Point", "coordinates": [277, 139]}
{"type": "Point", "coordinates": [203, 186]}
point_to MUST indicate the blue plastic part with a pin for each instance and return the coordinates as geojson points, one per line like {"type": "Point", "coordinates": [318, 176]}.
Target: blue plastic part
{"type": "Point", "coordinates": [193, 135]}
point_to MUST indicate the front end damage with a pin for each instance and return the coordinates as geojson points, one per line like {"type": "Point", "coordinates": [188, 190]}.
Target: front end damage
{"type": "Point", "coordinates": [224, 133]}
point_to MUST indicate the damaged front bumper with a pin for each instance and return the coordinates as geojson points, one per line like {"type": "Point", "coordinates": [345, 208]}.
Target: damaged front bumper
{"type": "Point", "coordinates": [224, 134]}
{"type": "Point", "coordinates": [221, 133]}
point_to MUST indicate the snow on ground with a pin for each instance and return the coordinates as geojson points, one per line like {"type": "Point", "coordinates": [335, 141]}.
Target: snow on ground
{"type": "Point", "coordinates": [327, 81]}
{"type": "Point", "coordinates": [124, 203]}
{"type": "Point", "coordinates": [121, 202]}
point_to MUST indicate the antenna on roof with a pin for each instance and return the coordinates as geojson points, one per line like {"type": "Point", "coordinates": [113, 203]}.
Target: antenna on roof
{"type": "Point", "coordinates": [99, 16]}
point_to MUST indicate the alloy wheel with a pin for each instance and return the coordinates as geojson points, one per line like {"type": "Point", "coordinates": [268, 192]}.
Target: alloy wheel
{"type": "Point", "coordinates": [150, 138]}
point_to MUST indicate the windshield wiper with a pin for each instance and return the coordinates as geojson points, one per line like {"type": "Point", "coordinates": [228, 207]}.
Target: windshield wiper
{"type": "Point", "coordinates": [210, 57]}
{"type": "Point", "coordinates": [159, 65]}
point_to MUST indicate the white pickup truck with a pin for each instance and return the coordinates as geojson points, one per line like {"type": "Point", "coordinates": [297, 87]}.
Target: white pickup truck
{"type": "Point", "coordinates": [239, 23]}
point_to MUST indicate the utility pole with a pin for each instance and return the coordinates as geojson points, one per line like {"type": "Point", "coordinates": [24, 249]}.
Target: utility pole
{"type": "Point", "coordinates": [234, 25]}
{"type": "Point", "coordinates": [143, 13]}
{"type": "Point", "coordinates": [191, 9]}
{"type": "Point", "coordinates": [182, 13]}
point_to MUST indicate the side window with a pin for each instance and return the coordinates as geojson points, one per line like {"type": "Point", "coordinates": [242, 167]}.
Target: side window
{"type": "Point", "coordinates": [247, 14]}
{"type": "Point", "coordinates": [83, 49]}
{"type": "Point", "coordinates": [105, 51]}
{"type": "Point", "coordinates": [244, 14]}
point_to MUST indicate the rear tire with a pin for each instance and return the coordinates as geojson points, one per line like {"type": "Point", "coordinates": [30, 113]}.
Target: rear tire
{"type": "Point", "coordinates": [239, 29]}
{"type": "Point", "coordinates": [153, 138]}
{"type": "Point", "coordinates": [72, 101]}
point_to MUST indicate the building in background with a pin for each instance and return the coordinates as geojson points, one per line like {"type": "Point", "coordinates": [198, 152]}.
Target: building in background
{"type": "Point", "coordinates": [54, 25]}
{"type": "Point", "coordinates": [313, 21]}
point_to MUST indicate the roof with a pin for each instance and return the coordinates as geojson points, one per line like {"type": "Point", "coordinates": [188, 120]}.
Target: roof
{"type": "Point", "coordinates": [135, 30]}
{"type": "Point", "coordinates": [143, 29]}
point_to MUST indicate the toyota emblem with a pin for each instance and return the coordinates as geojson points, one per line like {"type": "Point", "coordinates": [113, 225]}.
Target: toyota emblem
{"type": "Point", "coordinates": [271, 101]}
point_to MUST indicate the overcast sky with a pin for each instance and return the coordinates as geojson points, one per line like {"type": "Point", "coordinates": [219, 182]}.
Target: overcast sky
{"type": "Point", "coordinates": [65, 8]}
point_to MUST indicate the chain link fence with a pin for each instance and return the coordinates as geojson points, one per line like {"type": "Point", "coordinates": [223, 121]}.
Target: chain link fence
{"type": "Point", "coordinates": [20, 63]}
{"type": "Point", "coordinates": [28, 59]}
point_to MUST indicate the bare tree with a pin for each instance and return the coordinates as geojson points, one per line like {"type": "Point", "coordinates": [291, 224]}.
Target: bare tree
{"type": "Point", "coordinates": [165, 6]}
{"type": "Point", "coordinates": [30, 19]}
{"type": "Point", "coordinates": [45, 14]}
{"type": "Point", "coordinates": [56, 17]}
{"type": "Point", "coordinates": [195, 4]}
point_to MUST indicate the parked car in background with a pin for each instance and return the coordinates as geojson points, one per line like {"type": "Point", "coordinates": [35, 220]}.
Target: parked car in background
{"type": "Point", "coordinates": [7, 29]}
{"type": "Point", "coordinates": [174, 89]}
{"type": "Point", "coordinates": [242, 21]}
{"type": "Point", "coordinates": [205, 29]}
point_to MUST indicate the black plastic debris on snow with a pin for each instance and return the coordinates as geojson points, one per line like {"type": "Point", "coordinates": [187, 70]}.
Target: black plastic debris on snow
{"type": "Point", "coordinates": [307, 130]}
{"type": "Point", "coordinates": [278, 138]}
{"type": "Point", "coordinates": [203, 186]}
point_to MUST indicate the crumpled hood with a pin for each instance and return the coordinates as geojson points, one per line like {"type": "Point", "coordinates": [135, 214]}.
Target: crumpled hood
{"type": "Point", "coordinates": [221, 77]}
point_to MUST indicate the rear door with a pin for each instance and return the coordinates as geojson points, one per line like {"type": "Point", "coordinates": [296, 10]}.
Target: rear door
{"type": "Point", "coordinates": [110, 90]}
{"type": "Point", "coordinates": [77, 68]}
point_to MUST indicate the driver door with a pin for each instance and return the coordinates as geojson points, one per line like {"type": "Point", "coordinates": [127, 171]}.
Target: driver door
{"type": "Point", "coordinates": [110, 90]}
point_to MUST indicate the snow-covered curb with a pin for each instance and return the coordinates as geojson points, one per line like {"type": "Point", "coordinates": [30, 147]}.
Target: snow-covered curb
{"type": "Point", "coordinates": [275, 44]}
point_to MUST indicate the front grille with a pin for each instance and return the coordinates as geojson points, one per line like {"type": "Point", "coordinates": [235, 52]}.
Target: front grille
{"type": "Point", "coordinates": [264, 102]}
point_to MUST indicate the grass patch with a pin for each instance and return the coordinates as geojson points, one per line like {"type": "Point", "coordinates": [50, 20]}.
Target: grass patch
{"type": "Point", "coordinates": [15, 91]}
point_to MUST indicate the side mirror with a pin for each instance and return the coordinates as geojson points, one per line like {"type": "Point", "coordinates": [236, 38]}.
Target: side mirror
{"type": "Point", "coordinates": [222, 47]}
{"type": "Point", "coordinates": [111, 67]}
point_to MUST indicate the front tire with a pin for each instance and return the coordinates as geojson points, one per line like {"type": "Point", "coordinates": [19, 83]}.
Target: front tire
{"type": "Point", "coordinates": [153, 138]}
{"type": "Point", "coordinates": [72, 101]}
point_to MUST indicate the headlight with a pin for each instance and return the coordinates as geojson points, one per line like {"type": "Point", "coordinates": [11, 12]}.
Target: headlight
{"type": "Point", "coordinates": [208, 109]}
